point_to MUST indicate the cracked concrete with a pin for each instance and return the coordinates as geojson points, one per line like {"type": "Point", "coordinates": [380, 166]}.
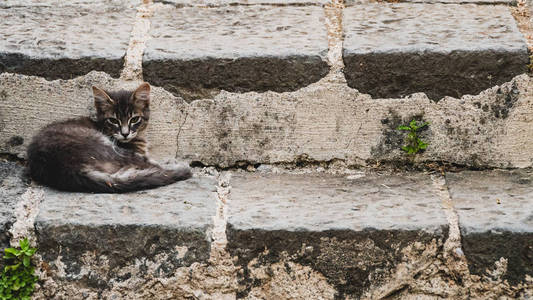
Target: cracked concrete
{"type": "Point", "coordinates": [178, 136]}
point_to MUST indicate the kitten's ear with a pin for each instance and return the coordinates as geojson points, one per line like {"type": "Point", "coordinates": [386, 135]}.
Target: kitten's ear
{"type": "Point", "coordinates": [102, 101]}
{"type": "Point", "coordinates": [142, 95]}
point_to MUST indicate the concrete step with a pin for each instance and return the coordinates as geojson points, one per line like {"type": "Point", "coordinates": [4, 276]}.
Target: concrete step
{"type": "Point", "coordinates": [351, 231]}
{"type": "Point", "coordinates": [193, 50]}
{"type": "Point", "coordinates": [496, 218]}
{"type": "Point", "coordinates": [393, 50]}
{"type": "Point", "coordinates": [357, 234]}
{"type": "Point", "coordinates": [64, 39]}
{"type": "Point", "coordinates": [324, 124]}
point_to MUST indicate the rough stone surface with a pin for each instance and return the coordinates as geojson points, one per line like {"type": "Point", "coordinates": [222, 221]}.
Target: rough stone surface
{"type": "Point", "coordinates": [324, 122]}
{"type": "Point", "coordinates": [327, 123]}
{"type": "Point", "coordinates": [172, 222]}
{"type": "Point", "coordinates": [194, 50]}
{"type": "Point", "coordinates": [393, 50]}
{"type": "Point", "coordinates": [12, 185]}
{"type": "Point", "coordinates": [496, 219]}
{"type": "Point", "coordinates": [352, 231]}
{"type": "Point", "coordinates": [59, 39]}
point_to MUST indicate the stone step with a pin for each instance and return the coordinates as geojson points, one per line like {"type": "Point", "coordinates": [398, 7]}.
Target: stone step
{"type": "Point", "coordinates": [101, 240]}
{"type": "Point", "coordinates": [359, 234]}
{"type": "Point", "coordinates": [193, 50]}
{"type": "Point", "coordinates": [351, 231]}
{"type": "Point", "coordinates": [393, 50]}
{"type": "Point", "coordinates": [495, 210]}
{"type": "Point", "coordinates": [64, 39]}
{"type": "Point", "coordinates": [480, 2]}
{"type": "Point", "coordinates": [213, 3]}
{"type": "Point", "coordinates": [326, 123]}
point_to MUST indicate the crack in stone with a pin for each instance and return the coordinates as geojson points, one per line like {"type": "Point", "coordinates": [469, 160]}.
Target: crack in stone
{"type": "Point", "coordinates": [178, 135]}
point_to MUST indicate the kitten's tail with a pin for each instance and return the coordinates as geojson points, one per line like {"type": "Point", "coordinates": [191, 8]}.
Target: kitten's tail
{"type": "Point", "coordinates": [131, 179]}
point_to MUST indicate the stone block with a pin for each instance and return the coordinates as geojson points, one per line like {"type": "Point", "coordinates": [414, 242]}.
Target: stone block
{"type": "Point", "coordinates": [350, 230]}
{"type": "Point", "coordinates": [195, 50]}
{"type": "Point", "coordinates": [170, 226]}
{"type": "Point", "coordinates": [393, 50]}
{"type": "Point", "coordinates": [496, 219]}
{"type": "Point", "coordinates": [59, 39]}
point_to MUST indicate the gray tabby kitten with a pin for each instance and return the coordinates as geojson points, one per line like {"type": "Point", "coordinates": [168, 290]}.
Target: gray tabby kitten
{"type": "Point", "coordinates": [108, 155]}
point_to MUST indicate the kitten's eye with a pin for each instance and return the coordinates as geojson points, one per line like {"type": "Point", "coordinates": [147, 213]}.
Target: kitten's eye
{"type": "Point", "coordinates": [113, 121]}
{"type": "Point", "coordinates": [135, 120]}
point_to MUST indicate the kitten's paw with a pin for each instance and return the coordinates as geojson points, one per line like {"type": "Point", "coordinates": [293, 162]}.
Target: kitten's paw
{"type": "Point", "coordinates": [171, 164]}
{"type": "Point", "coordinates": [179, 171]}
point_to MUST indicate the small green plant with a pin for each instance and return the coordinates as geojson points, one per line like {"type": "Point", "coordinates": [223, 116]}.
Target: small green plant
{"type": "Point", "coordinates": [17, 280]}
{"type": "Point", "coordinates": [413, 143]}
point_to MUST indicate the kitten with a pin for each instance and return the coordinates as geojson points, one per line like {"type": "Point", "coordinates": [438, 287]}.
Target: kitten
{"type": "Point", "coordinates": [108, 155]}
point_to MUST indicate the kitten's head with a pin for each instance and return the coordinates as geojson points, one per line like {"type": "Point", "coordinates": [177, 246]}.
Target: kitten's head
{"type": "Point", "coordinates": [123, 115]}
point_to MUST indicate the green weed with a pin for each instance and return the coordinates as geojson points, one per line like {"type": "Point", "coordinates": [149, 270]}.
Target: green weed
{"type": "Point", "coordinates": [17, 280]}
{"type": "Point", "coordinates": [413, 143]}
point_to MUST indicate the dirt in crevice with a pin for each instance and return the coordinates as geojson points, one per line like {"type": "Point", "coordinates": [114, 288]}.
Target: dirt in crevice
{"type": "Point", "coordinates": [523, 17]}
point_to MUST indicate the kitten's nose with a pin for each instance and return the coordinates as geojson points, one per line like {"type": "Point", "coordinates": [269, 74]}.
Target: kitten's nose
{"type": "Point", "coordinates": [125, 132]}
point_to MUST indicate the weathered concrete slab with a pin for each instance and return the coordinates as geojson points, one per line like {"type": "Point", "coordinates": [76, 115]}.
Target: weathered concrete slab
{"type": "Point", "coordinates": [320, 123]}
{"type": "Point", "coordinates": [194, 50]}
{"type": "Point", "coordinates": [393, 50]}
{"type": "Point", "coordinates": [351, 231]}
{"type": "Point", "coordinates": [12, 185]}
{"type": "Point", "coordinates": [324, 123]}
{"type": "Point", "coordinates": [64, 39]}
{"type": "Point", "coordinates": [495, 211]}
{"type": "Point", "coordinates": [169, 225]}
